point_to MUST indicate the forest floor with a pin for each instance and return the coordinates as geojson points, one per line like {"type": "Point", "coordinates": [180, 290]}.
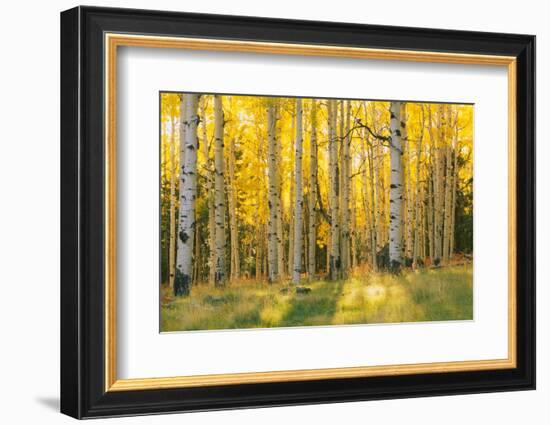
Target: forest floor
{"type": "Point", "coordinates": [431, 294]}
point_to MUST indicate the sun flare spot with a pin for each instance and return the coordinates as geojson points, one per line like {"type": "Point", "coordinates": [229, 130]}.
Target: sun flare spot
{"type": "Point", "coordinates": [375, 293]}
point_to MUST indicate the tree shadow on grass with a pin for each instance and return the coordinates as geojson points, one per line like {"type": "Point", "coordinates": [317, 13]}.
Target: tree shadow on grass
{"type": "Point", "coordinates": [316, 308]}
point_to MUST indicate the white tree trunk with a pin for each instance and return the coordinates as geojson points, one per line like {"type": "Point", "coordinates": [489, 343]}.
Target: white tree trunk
{"type": "Point", "coordinates": [188, 194]}
{"type": "Point", "coordinates": [408, 187]}
{"type": "Point", "coordinates": [430, 214]}
{"type": "Point", "coordinates": [353, 223]}
{"type": "Point", "coordinates": [423, 218]}
{"type": "Point", "coordinates": [312, 234]}
{"type": "Point", "coordinates": [299, 195]}
{"type": "Point", "coordinates": [345, 160]}
{"type": "Point", "coordinates": [259, 251]}
{"type": "Point", "coordinates": [290, 254]}
{"type": "Point", "coordinates": [209, 194]}
{"type": "Point", "coordinates": [373, 207]}
{"type": "Point", "coordinates": [219, 198]}
{"type": "Point", "coordinates": [334, 248]}
{"type": "Point", "coordinates": [439, 187]}
{"type": "Point", "coordinates": [174, 221]}
{"type": "Point", "coordinates": [396, 188]}
{"type": "Point", "coordinates": [417, 221]}
{"type": "Point", "coordinates": [278, 199]}
{"type": "Point", "coordinates": [448, 185]}
{"type": "Point", "coordinates": [233, 226]}
{"type": "Point", "coordinates": [453, 203]}
{"type": "Point", "coordinates": [272, 252]}
{"type": "Point", "coordinates": [435, 179]}
{"type": "Point", "coordinates": [173, 182]}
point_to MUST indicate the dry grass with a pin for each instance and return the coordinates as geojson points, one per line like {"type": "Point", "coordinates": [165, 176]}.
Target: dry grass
{"type": "Point", "coordinates": [425, 295]}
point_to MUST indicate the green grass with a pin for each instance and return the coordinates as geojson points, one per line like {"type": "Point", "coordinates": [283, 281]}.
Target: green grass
{"type": "Point", "coordinates": [425, 295]}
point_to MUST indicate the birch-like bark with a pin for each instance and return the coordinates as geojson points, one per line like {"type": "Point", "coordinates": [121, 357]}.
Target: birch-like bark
{"type": "Point", "coordinates": [278, 199]}
{"type": "Point", "coordinates": [382, 185]}
{"type": "Point", "coordinates": [173, 182]}
{"type": "Point", "coordinates": [417, 221]}
{"type": "Point", "coordinates": [299, 195]}
{"type": "Point", "coordinates": [373, 207]}
{"type": "Point", "coordinates": [232, 200]}
{"type": "Point", "coordinates": [345, 171]}
{"type": "Point", "coordinates": [396, 187]}
{"type": "Point", "coordinates": [312, 199]}
{"type": "Point", "coordinates": [220, 275]}
{"type": "Point", "coordinates": [366, 207]}
{"type": "Point", "coordinates": [430, 214]}
{"type": "Point", "coordinates": [290, 254]}
{"type": "Point", "coordinates": [261, 228]}
{"type": "Point", "coordinates": [259, 253]}
{"type": "Point", "coordinates": [265, 258]}
{"type": "Point", "coordinates": [408, 239]}
{"type": "Point", "coordinates": [305, 234]}
{"type": "Point", "coordinates": [334, 251]}
{"type": "Point", "coordinates": [165, 207]}
{"type": "Point", "coordinates": [353, 223]}
{"type": "Point", "coordinates": [327, 257]}
{"type": "Point", "coordinates": [448, 185]}
{"type": "Point", "coordinates": [197, 255]}
{"type": "Point", "coordinates": [188, 194]}
{"type": "Point", "coordinates": [422, 236]}
{"type": "Point", "coordinates": [374, 201]}
{"type": "Point", "coordinates": [174, 221]}
{"type": "Point", "coordinates": [454, 184]}
{"type": "Point", "coordinates": [209, 194]}
{"type": "Point", "coordinates": [379, 183]}
{"type": "Point", "coordinates": [272, 252]}
{"type": "Point", "coordinates": [440, 195]}
{"type": "Point", "coordinates": [436, 178]}
{"type": "Point", "coordinates": [436, 182]}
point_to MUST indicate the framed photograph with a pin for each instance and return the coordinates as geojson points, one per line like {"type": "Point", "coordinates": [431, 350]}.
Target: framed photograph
{"type": "Point", "coordinates": [261, 212]}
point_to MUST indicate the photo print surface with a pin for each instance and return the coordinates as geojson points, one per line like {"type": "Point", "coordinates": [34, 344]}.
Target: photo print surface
{"type": "Point", "coordinates": [286, 211]}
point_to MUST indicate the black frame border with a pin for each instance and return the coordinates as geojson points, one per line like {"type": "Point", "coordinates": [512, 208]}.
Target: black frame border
{"type": "Point", "coordinates": [82, 212]}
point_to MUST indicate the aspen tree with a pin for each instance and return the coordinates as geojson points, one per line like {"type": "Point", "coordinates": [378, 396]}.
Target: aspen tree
{"type": "Point", "coordinates": [334, 250]}
{"type": "Point", "coordinates": [173, 181]}
{"type": "Point", "coordinates": [345, 188]}
{"type": "Point", "coordinates": [430, 214]}
{"type": "Point", "coordinates": [291, 232]}
{"type": "Point", "coordinates": [232, 201]}
{"type": "Point", "coordinates": [298, 205]}
{"type": "Point", "coordinates": [373, 207]}
{"type": "Point", "coordinates": [188, 195]}
{"type": "Point", "coordinates": [408, 239]}
{"type": "Point", "coordinates": [220, 276]}
{"type": "Point", "coordinates": [278, 200]}
{"type": "Point", "coordinates": [448, 184]}
{"type": "Point", "coordinates": [417, 220]}
{"type": "Point", "coordinates": [290, 254]}
{"type": "Point", "coordinates": [272, 251]}
{"type": "Point", "coordinates": [455, 150]}
{"type": "Point", "coordinates": [312, 198]}
{"type": "Point", "coordinates": [209, 194]}
{"type": "Point", "coordinates": [353, 224]}
{"type": "Point", "coordinates": [396, 187]}
{"type": "Point", "coordinates": [437, 187]}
